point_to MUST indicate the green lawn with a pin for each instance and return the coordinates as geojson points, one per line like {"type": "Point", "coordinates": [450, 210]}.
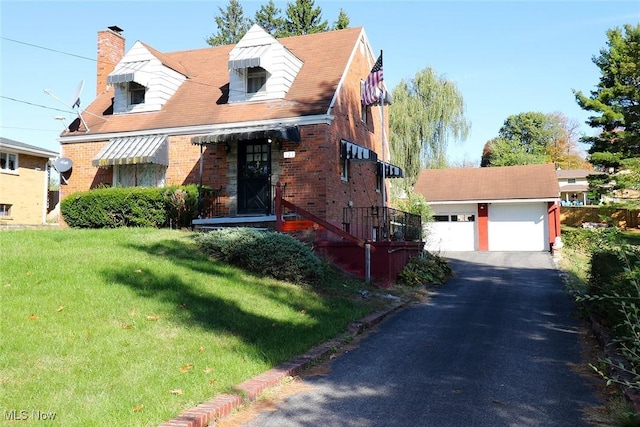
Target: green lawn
{"type": "Point", "coordinates": [132, 326]}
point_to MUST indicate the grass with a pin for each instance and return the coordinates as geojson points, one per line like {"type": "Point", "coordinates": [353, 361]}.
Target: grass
{"type": "Point", "coordinates": [132, 326]}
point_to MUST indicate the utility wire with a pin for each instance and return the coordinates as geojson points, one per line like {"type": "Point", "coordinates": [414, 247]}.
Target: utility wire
{"type": "Point", "coordinates": [35, 105]}
{"type": "Point", "coordinates": [47, 48]}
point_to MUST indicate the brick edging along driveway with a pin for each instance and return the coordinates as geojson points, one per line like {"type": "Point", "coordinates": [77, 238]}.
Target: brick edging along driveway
{"type": "Point", "coordinates": [207, 413]}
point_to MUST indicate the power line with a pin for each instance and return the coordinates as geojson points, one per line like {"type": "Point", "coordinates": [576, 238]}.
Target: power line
{"type": "Point", "coordinates": [35, 105]}
{"type": "Point", "coordinates": [49, 49]}
{"type": "Point", "coordinates": [30, 129]}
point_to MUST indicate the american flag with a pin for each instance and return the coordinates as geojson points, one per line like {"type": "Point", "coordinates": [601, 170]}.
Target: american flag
{"type": "Point", "coordinates": [371, 92]}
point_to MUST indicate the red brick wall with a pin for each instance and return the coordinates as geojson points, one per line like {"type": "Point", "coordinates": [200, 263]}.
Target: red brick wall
{"type": "Point", "coordinates": [312, 178]}
{"type": "Point", "coordinates": [111, 49]}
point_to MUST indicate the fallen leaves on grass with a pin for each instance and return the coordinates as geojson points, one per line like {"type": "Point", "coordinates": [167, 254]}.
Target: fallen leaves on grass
{"type": "Point", "coordinates": [186, 368]}
{"type": "Point", "coordinates": [138, 408]}
{"type": "Point", "coordinates": [59, 309]}
{"type": "Point", "coordinates": [207, 370]}
{"type": "Point", "coordinates": [176, 391]}
{"type": "Point", "coordinates": [153, 317]}
{"type": "Point", "coordinates": [34, 317]}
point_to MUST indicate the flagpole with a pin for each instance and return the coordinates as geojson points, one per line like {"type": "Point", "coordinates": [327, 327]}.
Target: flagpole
{"type": "Point", "coordinates": [384, 160]}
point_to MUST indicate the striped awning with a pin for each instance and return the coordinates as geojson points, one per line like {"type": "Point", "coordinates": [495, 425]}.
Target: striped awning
{"type": "Point", "coordinates": [353, 151]}
{"type": "Point", "coordinates": [133, 150]}
{"type": "Point", "coordinates": [246, 57]}
{"type": "Point", "coordinates": [390, 171]}
{"type": "Point", "coordinates": [289, 133]}
{"type": "Point", "coordinates": [130, 72]}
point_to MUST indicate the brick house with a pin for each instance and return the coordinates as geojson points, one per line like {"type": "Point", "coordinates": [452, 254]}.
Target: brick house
{"type": "Point", "coordinates": [237, 120]}
{"type": "Point", "coordinates": [24, 183]}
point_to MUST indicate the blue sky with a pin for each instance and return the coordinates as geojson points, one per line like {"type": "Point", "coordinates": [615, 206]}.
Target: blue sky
{"type": "Point", "coordinates": [506, 57]}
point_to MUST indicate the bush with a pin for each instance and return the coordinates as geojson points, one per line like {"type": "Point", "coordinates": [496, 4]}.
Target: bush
{"type": "Point", "coordinates": [131, 207]}
{"type": "Point", "coordinates": [266, 253]}
{"type": "Point", "coordinates": [424, 269]}
{"type": "Point", "coordinates": [613, 294]}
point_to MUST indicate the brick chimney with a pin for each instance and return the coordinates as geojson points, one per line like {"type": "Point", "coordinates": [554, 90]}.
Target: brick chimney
{"type": "Point", "coordinates": [110, 52]}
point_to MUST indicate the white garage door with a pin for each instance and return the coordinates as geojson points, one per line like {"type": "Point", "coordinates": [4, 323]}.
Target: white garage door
{"type": "Point", "coordinates": [518, 227]}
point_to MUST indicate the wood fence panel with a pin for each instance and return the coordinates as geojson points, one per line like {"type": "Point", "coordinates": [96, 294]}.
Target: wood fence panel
{"type": "Point", "coordinates": [575, 216]}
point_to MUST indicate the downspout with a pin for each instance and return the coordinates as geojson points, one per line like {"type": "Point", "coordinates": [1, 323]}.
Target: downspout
{"type": "Point", "coordinates": [200, 186]}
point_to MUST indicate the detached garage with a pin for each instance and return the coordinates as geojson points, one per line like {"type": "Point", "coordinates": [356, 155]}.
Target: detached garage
{"type": "Point", "coordinates": [513, 208]}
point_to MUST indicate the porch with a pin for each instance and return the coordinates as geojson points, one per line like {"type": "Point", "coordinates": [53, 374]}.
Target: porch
{"type": "Point", "coordinates": [372, 242]}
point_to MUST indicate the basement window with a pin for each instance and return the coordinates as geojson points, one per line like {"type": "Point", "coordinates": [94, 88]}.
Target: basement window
{"type": "Point", "coordinates": [5, 210]}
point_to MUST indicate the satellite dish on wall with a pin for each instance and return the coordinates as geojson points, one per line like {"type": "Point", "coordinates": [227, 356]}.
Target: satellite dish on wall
{"type": "Point", "coordinates": [63, 164]}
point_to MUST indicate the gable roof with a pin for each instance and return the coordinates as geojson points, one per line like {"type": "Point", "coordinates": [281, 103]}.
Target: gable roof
{"type": "Point", "coordinates": [202, 99]}
{"type": "Point", "coordinates": [576, 173]}
{"type": "Point", "coordinates": [487, 184]}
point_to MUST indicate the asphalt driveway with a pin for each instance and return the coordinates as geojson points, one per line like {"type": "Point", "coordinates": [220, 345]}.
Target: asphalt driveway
{"type": "Point", "coordinates": [497, 345]}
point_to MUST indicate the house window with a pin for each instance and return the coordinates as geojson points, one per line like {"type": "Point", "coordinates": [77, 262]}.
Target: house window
{"type": "Point", "coordinates": [140, 175]}
{"type": "Point", "coordinates": [454, 218]}
{"type": "Point", "coordinates": [8, 162]}
{"type": "Point", "coordinates": [256, 80]}
{"type": "Point", "coordinates": [5, 210]}
{"type": "Point", "coordinates": [344, 169]}
{"type": "Point", "coordinates": [378, 183]}
{"type": "Point", "coordinates": [571, 180]}
{"type": "Point", "coordinates": [136, 93]}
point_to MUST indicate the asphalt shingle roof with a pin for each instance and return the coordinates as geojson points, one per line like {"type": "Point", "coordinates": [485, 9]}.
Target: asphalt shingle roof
{"type": "Point", "coordinates": [202, 99]}
{"type": "Point", "coordinates": [485, 184]}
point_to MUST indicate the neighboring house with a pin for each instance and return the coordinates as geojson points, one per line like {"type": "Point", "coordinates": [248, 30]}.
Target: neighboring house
{"type": "Point", "coordinates": [237, 119]}
{"type": "Point", "coordinates": [574, 187]}
{"type": "Point", "coordinates": [512, 208]}
{"type": "Point", "coordinates": [24, 183]}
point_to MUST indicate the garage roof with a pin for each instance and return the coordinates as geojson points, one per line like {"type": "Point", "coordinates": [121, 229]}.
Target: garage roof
{"type": "Point", "coordinates": [487, 184]}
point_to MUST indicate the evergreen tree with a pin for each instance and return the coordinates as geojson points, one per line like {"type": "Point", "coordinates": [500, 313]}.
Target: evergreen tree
{"type": "Point", "coordinates": [342, 22]}
{"type": "Point", "coordinates": [616, 99]}
{"type": "Point", "coordinates": [270, 19]}
{"type": "Point", "coordinates": [303, 17]}
{"type": "Point", "coordinates": [232, 25]}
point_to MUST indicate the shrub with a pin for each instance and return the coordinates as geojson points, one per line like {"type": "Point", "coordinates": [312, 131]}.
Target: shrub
{"type": "Point", "coordinates": [266, 253]}
{"type": "Point", "coordinates": [424, 269]}
{"type": "Point", "coordinates": [613, 294]}
{"type": "Point", "coordinates": [130, 207]}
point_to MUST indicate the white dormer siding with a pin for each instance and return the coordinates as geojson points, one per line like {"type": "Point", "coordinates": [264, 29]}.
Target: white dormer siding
{"type": "Point", "coordinates": [142, 67]}
{"type": "Point", "coordinates": [259, 49]}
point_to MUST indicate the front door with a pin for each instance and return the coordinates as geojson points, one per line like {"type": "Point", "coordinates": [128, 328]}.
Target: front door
{"type": "Point", "coordinates": [254, 178]}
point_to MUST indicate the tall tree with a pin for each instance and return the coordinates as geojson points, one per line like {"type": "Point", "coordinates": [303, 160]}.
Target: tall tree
{"type": "Point", "coordinates": [616, 99]}
{"type": "Point", "coordinates": [232, 25]}
{"type": "Point", "coordinates": [303, 17]}
{"type": "Point", "coordinates": [270, 19]}
{"type": "Point", "coordinates": [533, 137]}
{"type": "Point", "coordinates": [342, 22]}
{"type": "Point", "coordinates": [428, 111]}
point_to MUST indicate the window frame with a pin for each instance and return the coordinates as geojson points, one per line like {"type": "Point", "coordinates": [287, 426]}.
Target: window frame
{"type": "Point", "coordinates": [253, 74]}
{"type": "Point", "coordinates": [7, 160]}
{"type": "Point", "coordinates": [344, 169]}
{"type": "Point", "coordinates": [5, 210]}
{"type": "Point", "coordinates": [133, 91]}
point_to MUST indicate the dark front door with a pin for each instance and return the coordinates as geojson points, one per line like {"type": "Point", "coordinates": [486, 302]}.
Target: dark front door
{"type": "Point", "coordinates": [254, 178]}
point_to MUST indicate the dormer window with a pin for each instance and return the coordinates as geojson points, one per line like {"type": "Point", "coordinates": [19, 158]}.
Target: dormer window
{"type": "Point", "coordinates": [256, 80]}
{"type": "Point", "coordinates": [136, 93]}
